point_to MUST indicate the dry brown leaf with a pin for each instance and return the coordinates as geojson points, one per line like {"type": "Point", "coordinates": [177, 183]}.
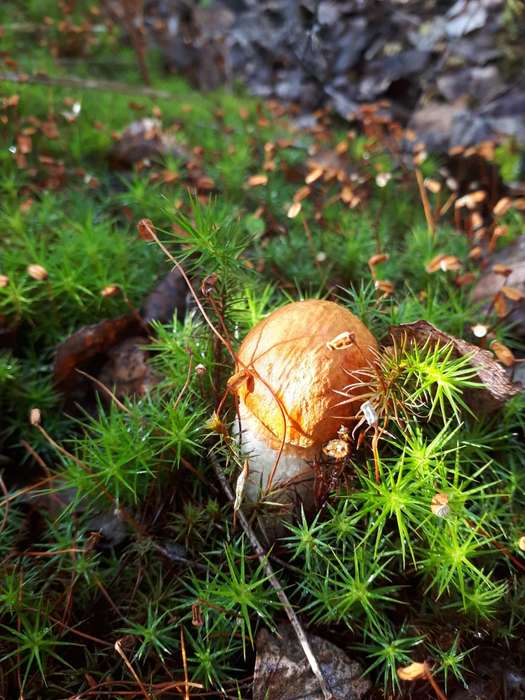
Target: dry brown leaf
{"type": "Point", "coordinates": [413, 672]}
{"type": "Point", "coordinates": [384, 286]}
{"type": "Point", "coordinates": [302, 193]}
{"type": "Point", "coordinates": [146, 230]}
{"type": "Point", "coordinates": [500, 305]}
{"type": "Point", "coordinates": [205, 183]}
{"type": "Point", "coordinates": [110, 290]}
{"type": "Point", "coordinates": [378, 259]}
{"type": "Point", "coordinates": [512, 293]}
{"type": "Point", "coordinates": [501, 269]}
{"type": "Point", "coordinates": [11, 101]}
{"type": "Point", "coordinates": [439, 505]}
{"type": "Point", "coordinates": [502, 206]}
{"type": "Point", "coordinates": [313, 175]}
{"type": "Point", "coordinates": [347, 194]}
{"type": "Point", "coordinates": [502, 352]}
{"type": "Point", "coordinates": [432, 185]}
{"type": "Point", "coordinates": [88, 342]}
{"type": "Point", "coordinates": [37, 272]}
{"type": "Point", "coordinates": [444, 263]}
{"type": "Point", "coordinates": [257, 180]}
{"type": "Point", "coordinates": [294, 210]}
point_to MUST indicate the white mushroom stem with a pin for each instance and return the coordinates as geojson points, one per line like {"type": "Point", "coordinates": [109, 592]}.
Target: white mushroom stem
{"type": "Point", "coordinates": [290, 466]}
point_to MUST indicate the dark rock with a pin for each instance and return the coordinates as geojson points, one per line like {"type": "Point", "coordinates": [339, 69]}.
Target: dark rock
{"type": "Point", "coordinates": [282, 670]}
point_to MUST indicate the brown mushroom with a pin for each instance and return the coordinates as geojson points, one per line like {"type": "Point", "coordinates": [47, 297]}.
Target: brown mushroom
{"type": "Point", "coordinates": [291, 368]}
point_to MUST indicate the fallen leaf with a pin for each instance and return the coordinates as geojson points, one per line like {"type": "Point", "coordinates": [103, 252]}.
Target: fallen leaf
{"type": "Point", "coordinates": [86, 346]}
{"type": "Point", "coordinates": [110, 290]}
{"type": "Point", "coordinates": [24, 144]}
{"type": "Point", "coordinates": [501, 269]}
{"type": "Point", "coordinates": [313, 175]}
{"type": "Point", "coordinates": [294, 210]}
{"type": "Point", "coordinates": [444, 263]}
{"type": "Point", "coordinates": [439, 505]}
{"type": "Point", "coordinates": [384, 286]}
{"type": "Point", "coordinates": [502, 352]}
{"type": "Point", "coordinates": [169, 298]}
{"type": "Point", "coordinates": [413, 671]}
{"type": "Point", "coordinates": [500, 305]}
{"type": "Point", "coordinates": [37, 272]}
{"type": "Point", "coordinates": [127, 371]}
{"type": "Point", "coordinates": [378, 259]}
{"type": "Point", "coordinates": [205, 183]}
{"type": "Point", "coordinates": [512, 293]}
{"type": "Point", "coordinates": [433, 186]}
{"type": "Point", "coordinates": [502, 206]}
{"type": "Point", "coordinates": [302, 193]}
{"type": "Point", "coordinates": [257, 180]}
{"type": "Point", "coordinates": [146, 229]}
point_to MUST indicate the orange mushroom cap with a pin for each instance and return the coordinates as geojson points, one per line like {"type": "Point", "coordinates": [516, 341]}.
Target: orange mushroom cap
{"type": "Point", "coordinates": [296, 360]}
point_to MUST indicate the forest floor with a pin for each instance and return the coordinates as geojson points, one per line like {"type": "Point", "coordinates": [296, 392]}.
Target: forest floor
{"type": "Point", "coordinates": [125, 571]}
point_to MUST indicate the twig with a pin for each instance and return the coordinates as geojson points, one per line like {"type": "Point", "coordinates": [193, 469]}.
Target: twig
{"type": "Point", "coordinates": [274, 582]}
{"type": "Point", "coordinates": [426, 204]}
{"type": "Point", "coordinates": [184, 665]}
{"type": "Point", "coordinates": [435, 687]}
{"type": "Point", "coordinates": [106, 389]}
{"type": "Point", "coordinates": [120, 652]}
{"type": "Point", "coordinates": [85, 84]}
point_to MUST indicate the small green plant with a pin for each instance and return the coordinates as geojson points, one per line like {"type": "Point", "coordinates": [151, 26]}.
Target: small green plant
{"type": "Point", "coordinates": [157, 634]}
{"type": "Point", "coordinates": [33, 643]}
{"type": "Point", "coordinates": [451, 661]}
{"type": "Point", "coordinates": [388, 649]}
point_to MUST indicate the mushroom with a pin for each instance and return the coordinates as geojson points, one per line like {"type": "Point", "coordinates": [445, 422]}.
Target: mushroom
{"type": "Point", "coordinates": [291, 368]}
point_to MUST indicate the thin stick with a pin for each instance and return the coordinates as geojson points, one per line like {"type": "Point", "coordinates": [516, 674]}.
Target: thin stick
{"type": "Point", "coordinates": [426, 204]}
{"type": "Point", "coordinates": [274, 582]}
{"type": "Point", "coordinates": [184, 665]}
{"type": "Point", "coordinates": [120, 652]}
{"type": "Point", "coordinates": [435, 687]}
{"type": "Point", "coordinates": [106, 390]}
{"type": "Point", "coordinates": [86, 84]}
